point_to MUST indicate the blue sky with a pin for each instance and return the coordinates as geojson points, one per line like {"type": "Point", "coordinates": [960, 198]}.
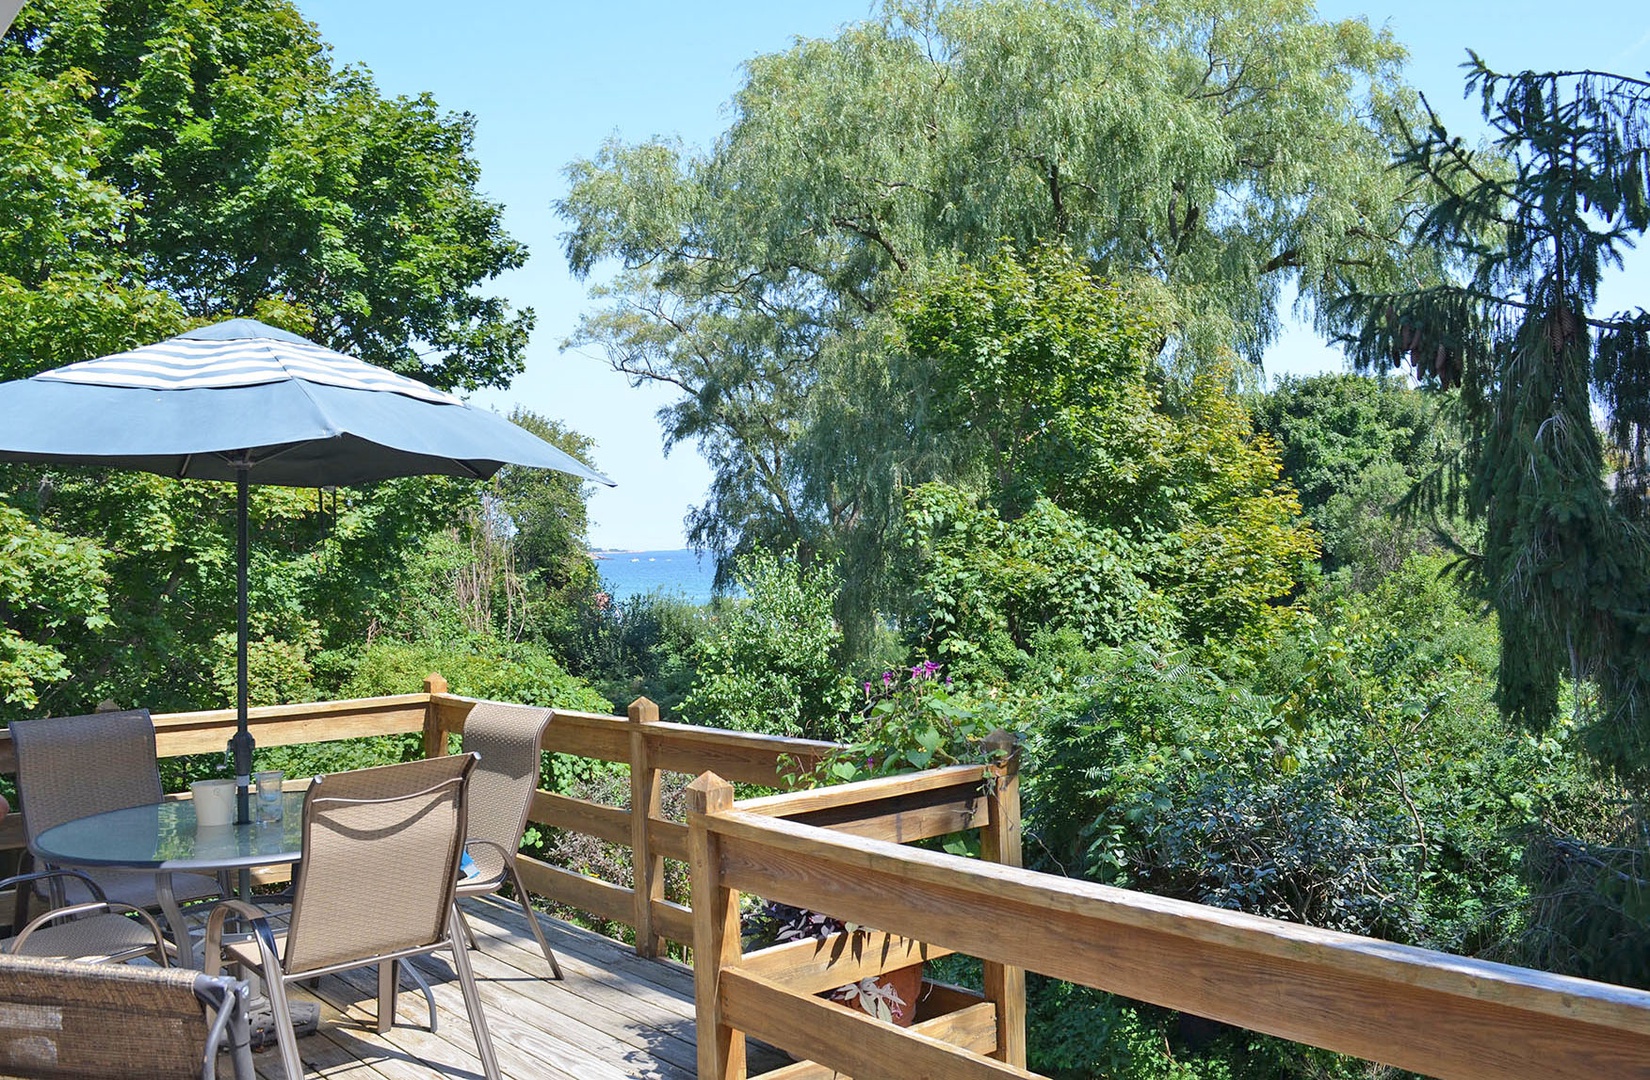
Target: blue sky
{"type": "Point", "coordinates": [548, 81]}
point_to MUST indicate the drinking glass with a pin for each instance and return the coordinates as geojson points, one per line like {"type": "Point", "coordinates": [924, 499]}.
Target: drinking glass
{"type": "Point", "coordinates": [268, 786]}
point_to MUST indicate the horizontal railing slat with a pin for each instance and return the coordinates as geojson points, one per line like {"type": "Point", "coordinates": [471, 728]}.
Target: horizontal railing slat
{"type": "Point", "coordinates": [972, 1027]}
{"type": "Point", "coordinates": [808, 967]}
{"type": "Point", "coordinates": [846, 1039]}
{"type": "Point", "coordinates": [610, 823]}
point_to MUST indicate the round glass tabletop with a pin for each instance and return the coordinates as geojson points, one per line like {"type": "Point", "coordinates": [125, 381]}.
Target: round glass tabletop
{"type": "Point", "coordinates": [165, 837]}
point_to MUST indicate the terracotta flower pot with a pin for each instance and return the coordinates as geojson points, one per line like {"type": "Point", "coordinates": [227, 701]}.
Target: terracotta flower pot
{"type": "Point", "coordinates": [905, 984]}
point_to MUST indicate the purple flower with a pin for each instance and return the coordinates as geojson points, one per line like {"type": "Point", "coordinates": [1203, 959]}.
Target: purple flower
{"type": "Point", "coordinates": [888, 678]}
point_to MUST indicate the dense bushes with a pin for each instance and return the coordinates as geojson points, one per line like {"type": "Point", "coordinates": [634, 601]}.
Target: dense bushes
{"type": "Point", "coordinates": [770, 662]}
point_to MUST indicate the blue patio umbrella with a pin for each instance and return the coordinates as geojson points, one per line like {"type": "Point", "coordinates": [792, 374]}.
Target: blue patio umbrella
{"type": "Point", "coordinates": [242, 401]}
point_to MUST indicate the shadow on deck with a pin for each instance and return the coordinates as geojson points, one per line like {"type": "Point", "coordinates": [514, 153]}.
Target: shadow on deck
{"type": "Point", "coordinates": [615, 1014]}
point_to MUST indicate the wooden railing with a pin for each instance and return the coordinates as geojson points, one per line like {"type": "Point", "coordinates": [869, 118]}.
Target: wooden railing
{"type": "Point", "coordinates": [843, 850]}
{"type": "Point", "coordinates": [648, 746]}
{"type": "Point", "coordinates": [1437, 1014]}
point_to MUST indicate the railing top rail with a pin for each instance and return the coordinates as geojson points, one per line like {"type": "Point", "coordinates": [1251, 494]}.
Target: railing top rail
{"type": "Point", "coordinates": [795, 803]}
{"type": "Point", "coordinates": [965, 904]}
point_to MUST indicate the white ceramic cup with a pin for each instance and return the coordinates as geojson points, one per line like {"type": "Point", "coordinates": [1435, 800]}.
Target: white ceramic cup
{"type": "Point", "coordinates": [214, 802]}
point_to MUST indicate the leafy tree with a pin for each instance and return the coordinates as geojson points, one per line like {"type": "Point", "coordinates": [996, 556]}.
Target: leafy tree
{"type": "Point", "coordinates": [1532, 228]}
{"type": "Point", "coordinates": [51, 588]}
{"type": "Point", "coordinates": [1217, 150]}
{"type": "Point", "coordinates": [548, 526]}
{"type": "Point", "coordinates": [1354, 447]}
{"type": "Point", "coordinates": [642, 646]}
{"type": "Point", "coordinates": [1125, 504]}
{"type": "Point", "coordinates": [173, 162]}
{"type": "Point", "coordinates": [69, 289]}
{"type": "Point", "coordinates": [237, 172]}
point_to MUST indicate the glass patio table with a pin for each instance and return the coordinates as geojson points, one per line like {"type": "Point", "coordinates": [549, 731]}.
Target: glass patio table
{"type": "Point", "coordinates": [164, 837]}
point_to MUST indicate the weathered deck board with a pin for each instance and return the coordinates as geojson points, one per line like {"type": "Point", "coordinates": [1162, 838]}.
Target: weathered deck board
{"type": "Point", "coordinates": [615, 1016]}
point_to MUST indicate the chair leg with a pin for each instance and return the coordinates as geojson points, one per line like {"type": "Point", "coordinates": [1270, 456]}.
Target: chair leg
{"type": "Point", "coordinates": [281, 1018]}
{"type": "Point", "coordinates": [469, 931]}
{"type": "Point", "coordinates": [472, 997]}
{"type": "Point", "coordinates": [411, 970]}
{"type": "Point", "coordinates": [533, 921]}
{"type": "Point", "coordinates": [389, 972]}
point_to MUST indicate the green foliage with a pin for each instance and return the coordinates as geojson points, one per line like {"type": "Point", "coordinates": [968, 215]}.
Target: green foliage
{"type": "Point", "coordinates": [325, 573]}
{"type": "Point", "coordinates": [230, 165]}
{"type": "Point", "coordinates": [1123, 504]}
{"type": "Point", "coordinates": [1214, 151]}
{"type": "Point", "coordinates": [912, 721]}
{"type": "Point", "coordinates": [1357, 779]}
{"type": "Point", "coordinates": [481, 667]}
{"type": "Point", "coordinates": [769, 662]}
{"type": "Point", "coordinates": [1355, 448]}
{"type": "Point", "coordinates": [985, 586]}
{"type": "Point", "coordinates": [1532, 227]}
{"type": "Point", "coordinates": [174, 162]}
{"type": "Point", "coordinates": [52, 590]}
{"type": "Point", "coordinates": [640, 647]}
{"type": "Point", "coordinates": [1047, 373]}
{"type": "Point", "coordinates": [549, 523]}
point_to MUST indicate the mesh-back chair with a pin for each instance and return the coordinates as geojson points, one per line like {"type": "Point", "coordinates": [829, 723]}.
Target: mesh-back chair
{"type": "Point", "coordinates": [381, 855]}
{"type": "Point", "coordinates": [74, 766]}
{"type": "Point", "coordinates": [501, 792]}
{"type": "Point", "coordinates": [95, 931]}
{"type": "Point", "coordinates": [86, 1021]}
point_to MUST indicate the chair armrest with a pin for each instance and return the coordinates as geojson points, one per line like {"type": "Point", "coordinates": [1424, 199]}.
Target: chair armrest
{"type": "Point", "coordinates": [98, 907]}
{"type": "Point", "coordinates": [258, 919]}
{"type": "Point", "coordinates": [505, 854]}
{"type": "Point", "coordinates": [227, 998]}
{"type": "Point", "coordinates": [57, 872]}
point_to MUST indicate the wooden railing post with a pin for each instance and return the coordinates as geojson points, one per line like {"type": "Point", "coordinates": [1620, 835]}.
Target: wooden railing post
{"type": "Point", "coordinates": [1000, 843]}
{"type": "Point", "coordinates": [435, 739]}
{"type": "Point", "coordinates": [716, 941]}
{"type": "Point", "coordinates": [646, 803]}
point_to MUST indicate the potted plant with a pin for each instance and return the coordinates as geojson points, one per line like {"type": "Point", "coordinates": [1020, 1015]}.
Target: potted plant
{"type": "Point", "coordinates": [890, 997]}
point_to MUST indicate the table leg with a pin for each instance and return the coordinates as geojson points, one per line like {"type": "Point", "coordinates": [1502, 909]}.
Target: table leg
{"type": "Point", "coordinates": [175, 921]}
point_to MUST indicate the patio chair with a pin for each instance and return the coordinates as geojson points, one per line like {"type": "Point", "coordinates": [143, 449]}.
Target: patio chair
{"type": "Point", "coordinates": [74, 766]}
{"type": "Point", "coordinates": [96, 931]}
{"type": "Point", "coordinates": [88, 1021]}
{"type": "Point", "coordinates": [381, 854]}
{"type": "Point", "coordinates": [501, 792]}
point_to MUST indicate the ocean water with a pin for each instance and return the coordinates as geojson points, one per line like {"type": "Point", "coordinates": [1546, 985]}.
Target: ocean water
{"type": "Point", "coordinates": [634, 573]}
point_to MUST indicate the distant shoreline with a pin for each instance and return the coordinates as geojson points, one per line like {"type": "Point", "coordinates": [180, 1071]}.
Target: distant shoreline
{"type": "Point", "coordinates": [602, 553]}
{"type": "Point", "coordinates": [672, 571]}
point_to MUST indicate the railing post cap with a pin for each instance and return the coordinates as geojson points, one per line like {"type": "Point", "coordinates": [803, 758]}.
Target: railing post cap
{"type": "Point", "coordinates": [643, 711]}
{"type": "Point", "coordinates": [434, 683]}
{"type": "Point", "coordinates": [708, 793]}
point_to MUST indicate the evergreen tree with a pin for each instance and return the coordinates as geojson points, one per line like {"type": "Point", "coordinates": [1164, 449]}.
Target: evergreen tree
{"type": "Point", "coordinates": [1532, 226]}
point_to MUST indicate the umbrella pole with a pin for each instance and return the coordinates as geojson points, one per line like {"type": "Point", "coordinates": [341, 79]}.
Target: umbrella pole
{"type": "Point", "coordinates": [240, 744]}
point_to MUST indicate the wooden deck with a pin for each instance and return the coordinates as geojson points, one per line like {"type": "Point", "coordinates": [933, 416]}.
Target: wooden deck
{"type": "Point", "coordinates": [615, 1014]}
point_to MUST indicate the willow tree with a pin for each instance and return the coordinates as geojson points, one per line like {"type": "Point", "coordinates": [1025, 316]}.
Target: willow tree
{"type": "Point", "coordinates": [1220, 150]}
{"type": "Point", "coordinates": [1533, 224]}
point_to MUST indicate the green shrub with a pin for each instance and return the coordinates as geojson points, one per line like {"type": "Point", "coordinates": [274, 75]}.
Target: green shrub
{"type": "Point", "coordinates": [769, 662]}
{"type": "Point", "coordinates": [639, 647]}
{"type": "Point", "coordinates": [480, 667]}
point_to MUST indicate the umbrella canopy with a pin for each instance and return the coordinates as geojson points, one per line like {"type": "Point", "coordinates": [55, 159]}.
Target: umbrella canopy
{"type": "Point", "coordinates": [297, 414]}
{"type": "Point", "coordinates": [239, 400]}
